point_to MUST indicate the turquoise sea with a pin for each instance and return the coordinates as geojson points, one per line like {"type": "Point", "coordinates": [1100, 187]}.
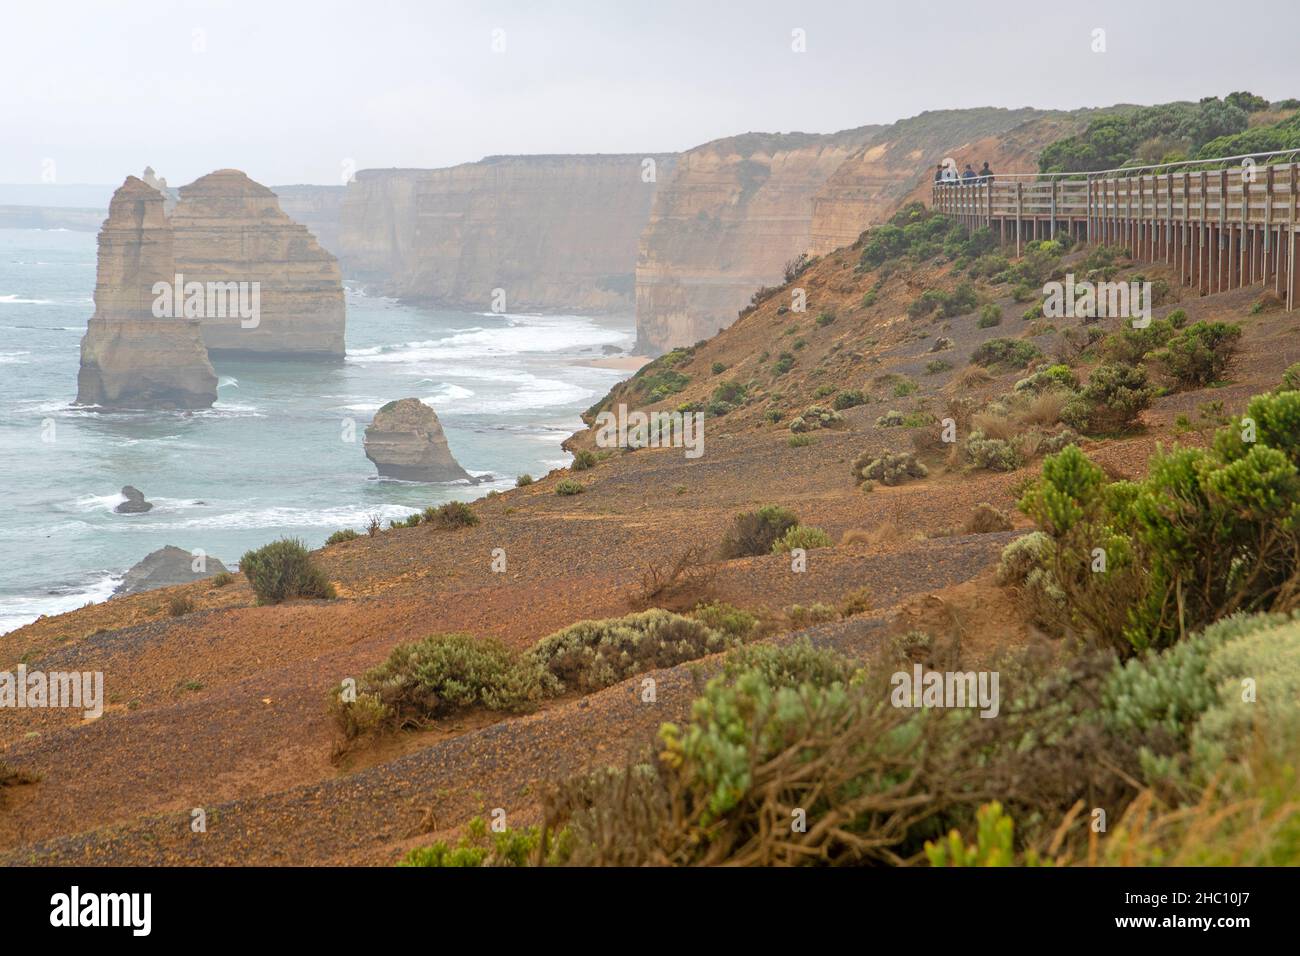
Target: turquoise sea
{"type": "Point", "coordinates": [269, 459]}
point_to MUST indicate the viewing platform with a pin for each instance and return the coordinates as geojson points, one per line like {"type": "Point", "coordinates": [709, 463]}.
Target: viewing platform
{"type": "Point", "coordinates": [1223, 228]}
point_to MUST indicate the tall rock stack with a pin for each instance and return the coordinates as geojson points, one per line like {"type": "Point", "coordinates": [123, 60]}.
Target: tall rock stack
{"type": "Point", "coordinates": [231, 229]}
{"type": "Point", "coordinates": [129, 358]}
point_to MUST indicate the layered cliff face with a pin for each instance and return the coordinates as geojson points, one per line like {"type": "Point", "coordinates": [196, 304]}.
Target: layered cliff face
{"type": "Point", "coordinates": [129, 358]}
{"type": "Point", "coordinates": [871, 183]}
{"type": "Point", "coordinates": [732, 215]}
{"type": "Point", "coordinates": [229, 229]}
{"type": "Point", "coordinates": [551, 232]}
{"type": "Point", "coordinates": [316, 207]}
{"type": "Point", "coordinates": [737, 210]}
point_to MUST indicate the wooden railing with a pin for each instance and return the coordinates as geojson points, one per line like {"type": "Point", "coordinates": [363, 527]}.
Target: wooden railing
{"type": "Point", "coordinates": [1223, 228]}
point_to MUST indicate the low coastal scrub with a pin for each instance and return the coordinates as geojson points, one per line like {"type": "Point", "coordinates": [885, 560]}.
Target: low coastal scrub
{"type": "Point", "coordinates": [891, 468]}
{"type": "Point", "coordinates": [753, 533]}
{"type": "Point", "coordinates": [444, 674]}
{"type": "Point", "coordinates": [453, 514]}
{"type": "Point", "coordinates": [338, 537]}
{"type": "Point", "coordinates": [569, 486]}
{"type": "Point", "coordinates": [439, 675]}
{"type": "Point", "coordinates": [583, 460]}
{"type": "Point", "coordinates": [1209, 532]}
{"type": "Point", "coordinates": [590, 655]}
{"type": "Point", "coordinates": [801, 536]}
{"type": "Point", "coordinates": [524, 480]}
{"type": "Point", "coordinates": [1005, 354]}
{"type": "Point", "coordinates": [283, 570]}
{"type": "Point", "coordinates": [1187, 772]}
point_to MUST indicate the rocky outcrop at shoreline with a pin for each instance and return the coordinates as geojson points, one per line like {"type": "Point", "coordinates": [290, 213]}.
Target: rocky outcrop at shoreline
{"type": "Point", "coordinates": [131, 359]}
{"type": "Point", "coordinates": [166, 567]}
{"type": "Point", "coordinates": [230, 229]}
{"type": "Point", "coordinates": [406, 441]}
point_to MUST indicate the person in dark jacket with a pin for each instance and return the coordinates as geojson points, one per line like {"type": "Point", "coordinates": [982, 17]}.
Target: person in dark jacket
{"type": "Point", "coordinates": [938, 173]}
{"type": "Point", "coordinates": [986, 174]}
{"type": "Point", "coordinates": [968, 176]}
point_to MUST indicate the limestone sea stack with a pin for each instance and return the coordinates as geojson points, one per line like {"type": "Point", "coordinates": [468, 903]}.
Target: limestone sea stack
{"type": "Point", "coordinates": [230, 229]}
{"type": "Point", "coordinates": [406, 441]}
{"type": "Point", "coordinates": [129, 358]}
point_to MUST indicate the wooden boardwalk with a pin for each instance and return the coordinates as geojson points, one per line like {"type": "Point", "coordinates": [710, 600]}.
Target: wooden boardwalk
{"type": "Point", "coordinates": [1223, 229]}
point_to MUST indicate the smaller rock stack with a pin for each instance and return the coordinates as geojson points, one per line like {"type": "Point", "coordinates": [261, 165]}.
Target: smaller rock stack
{"type": "Point", "coordinates": [406, 441]}
{"type": "Point", "coordinates": [129, 358]}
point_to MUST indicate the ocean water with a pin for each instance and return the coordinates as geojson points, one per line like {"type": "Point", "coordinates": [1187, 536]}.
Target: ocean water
{"type": "Point", "coordinates": [270, 459]}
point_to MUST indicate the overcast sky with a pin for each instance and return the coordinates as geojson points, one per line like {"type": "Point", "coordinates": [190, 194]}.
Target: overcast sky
{"type": "Point", "coordinates": [294, 92]}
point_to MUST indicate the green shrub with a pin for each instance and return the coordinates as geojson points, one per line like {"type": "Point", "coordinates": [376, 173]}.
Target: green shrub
{"type": "Point", "coordinates": [801, 536]}
{"type": "Point", "coordinates": [590, 655]}
{"type": "Point", "coordinates": [283, 570]}
{"type": "Point", "coordinates": [437, 676]}
{"type": "Point", "coordinates": [346, 534]}
{"type": "Point", "coordinates": [1290, 379]}
{"type": "Point", "coordinates": [730, 392]}
{"type": "Point", "coordinates": [717, 368]}
{"type": "Point", "coordinates": [799, 440]}
{"type": "Point", "coordinates": [524, 480]}
{"type": "Point", "coordinates": [753, 533]}
{"type": "Point", "coordinates": [904, 388]}
{"type": "Point", "coordinates": [790, 665]}
{"type": "Point", "coordinates": [936, 366]}
{"type": "Point", "coordinates": [853, 397]}
{"type": "Point", "coordinates": [726, 619]}
{"type": "Point", "coordinates": [1200, 354]}
{"type": "Point", "coordinates": [990, 315]}
{"type": "Point", "coordinates": [814, 417]}
{"type": "Point", "coordinates": [891, 419]}
{"type": "Point", "coordinates": [1206, 533]}
{"type": "Point", "coordinates": [992, 454]}
{"type": "Point", "coordinates": [1005, 353]}
{"type": "Point", "coordinates": [453, 514]}
{"type": "Point", "coordinates": [1046, 379]}
{"type": "Point", "coordinates": [479, 847]}
{"type": "Point", "coordinates": [891, 468]}
{"type": "Point", "coordinates": [825, 319]}
{"type": "Point", "coordinates": [222, 578]}
{"type": "Point", "coordinates": [1114, 398]}
{"type": "Point", "coordinates": [784, 363]}
{"type": "Point", "coordinates": [568, 486]}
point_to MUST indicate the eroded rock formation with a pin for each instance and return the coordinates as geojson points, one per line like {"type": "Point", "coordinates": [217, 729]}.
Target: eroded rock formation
{"type": "Point", "coordinates": [405, 440]}
{"type": "Point", "coordinates": [733, 214]}
{"type": "Point", "coordinates": [230, 229]}
{"type": "Point", "coordinates": [129, 358]}
{"type": "Point", "coordinates": [552, 232]}
{"type": "Point", "coordinates": [165, 567]}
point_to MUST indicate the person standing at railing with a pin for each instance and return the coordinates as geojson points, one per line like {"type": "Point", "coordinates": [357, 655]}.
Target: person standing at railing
{"type": "Point", "coordinates": [939, 171]}
{"type": "Point", "coordinates": [986, 175]}
{"type": "Point", "coordinates": [968, 176]}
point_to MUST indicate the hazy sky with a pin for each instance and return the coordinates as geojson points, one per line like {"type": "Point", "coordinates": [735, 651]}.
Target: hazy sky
{"type": "Point", "coordinates": [293, 92]}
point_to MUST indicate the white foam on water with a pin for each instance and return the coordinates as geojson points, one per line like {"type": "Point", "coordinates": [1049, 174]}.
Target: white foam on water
{"type": "Point", "coordinates": [15, 611]}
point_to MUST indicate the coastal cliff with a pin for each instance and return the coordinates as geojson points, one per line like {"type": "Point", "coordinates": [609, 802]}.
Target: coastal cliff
{"type": "Point", "coordinates": [733, 214]}
{"type": "Point", "coordinates": [316, 207]}
{"type": "Point", "coordinates": [552, 232]}
{"type": "Point", "coordinates": [229, 228]}
{"type": "Point", "coordinates": [129, 358]}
